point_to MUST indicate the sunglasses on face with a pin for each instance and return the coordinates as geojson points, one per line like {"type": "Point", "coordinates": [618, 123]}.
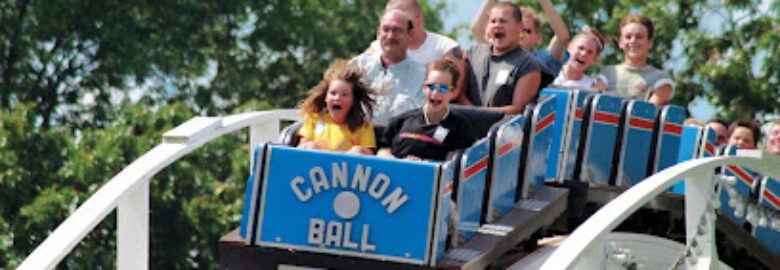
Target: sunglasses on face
{"type": "Point", "coordinates": [527, 31]}
{"type": "Point", "coordinates": [441, 88]}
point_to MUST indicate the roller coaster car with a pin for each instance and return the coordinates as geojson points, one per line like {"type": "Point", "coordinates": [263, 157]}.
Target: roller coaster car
{"type": "Point", "coordinates": [366, 207]}
{"type": "Point", "coordinates": [352, 205]}
{"type": "Point", "coordinates": [396, 213]}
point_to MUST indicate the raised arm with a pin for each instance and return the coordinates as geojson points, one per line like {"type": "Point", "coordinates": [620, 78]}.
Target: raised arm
{"type": "Point", "coordinates": [480, 22]}
{"type": "Point", "coordinates": [560, 40]}
{"type": "Point", "coordinates": [526, 89]}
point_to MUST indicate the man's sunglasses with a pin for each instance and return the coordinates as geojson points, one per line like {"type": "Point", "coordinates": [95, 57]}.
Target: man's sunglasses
{"type": "Point", "coordinates": [441, 88]}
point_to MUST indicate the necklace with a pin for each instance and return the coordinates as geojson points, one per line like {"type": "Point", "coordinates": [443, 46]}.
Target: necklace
{"type": "Point", "coordinates": [428, 120]}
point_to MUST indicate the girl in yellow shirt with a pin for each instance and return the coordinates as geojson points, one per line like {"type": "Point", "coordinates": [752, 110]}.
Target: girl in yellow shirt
{"type": "Point", "coordinates": [336, 113]}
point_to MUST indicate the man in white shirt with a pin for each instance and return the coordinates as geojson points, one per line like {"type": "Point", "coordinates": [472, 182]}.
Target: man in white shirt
{"type": "Point", "coordinates": [425, 47]}
{"type": "Point", "coordinates": [397, 78]}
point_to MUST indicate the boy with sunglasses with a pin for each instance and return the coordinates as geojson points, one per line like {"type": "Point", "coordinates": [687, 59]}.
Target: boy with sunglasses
{"type": "Point", "coordinates": [432, 132]}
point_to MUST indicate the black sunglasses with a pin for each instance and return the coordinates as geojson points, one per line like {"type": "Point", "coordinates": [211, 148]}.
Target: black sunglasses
{"type": "Point", "coordinates": [439, 87]}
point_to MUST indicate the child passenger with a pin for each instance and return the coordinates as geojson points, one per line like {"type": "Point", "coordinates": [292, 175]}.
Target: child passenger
{"type": "Point", "coordinates": [433, 131]}
{"type": "Point", "coordinates": [773, 138]}
{"type": "Point", "coordinates": [583, 50]}
{"type": "Point", "coordinates": [634, 77]}
{"type": "Point", "coordinates": [336, 113]}
{"type": "Point", "coordinates": [745, 134]}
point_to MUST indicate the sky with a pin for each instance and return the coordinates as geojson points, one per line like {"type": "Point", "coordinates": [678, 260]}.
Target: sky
{"type": "Point", "coordinates": [463, 11]}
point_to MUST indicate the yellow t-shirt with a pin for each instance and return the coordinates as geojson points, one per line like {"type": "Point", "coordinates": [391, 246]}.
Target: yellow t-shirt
{"type": "Point", "coordinates": [320, 129]}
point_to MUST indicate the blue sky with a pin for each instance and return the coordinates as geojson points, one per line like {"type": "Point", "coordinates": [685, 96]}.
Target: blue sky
{"type": "Point", "coordinates": [465, 10]}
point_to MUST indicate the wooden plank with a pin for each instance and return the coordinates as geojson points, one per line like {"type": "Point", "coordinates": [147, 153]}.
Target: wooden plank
{"type": "Point", "coordinates": [193, 130]}
{"type": "Point", "coordinates": [235, 255]}
{"type": "Point", "coordinates": [671, 202]}
{"type": "Point", "coordinates": [497, 238]}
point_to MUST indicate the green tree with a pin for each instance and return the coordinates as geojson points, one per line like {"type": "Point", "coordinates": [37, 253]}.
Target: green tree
{"type": "Point", "coordinates": [280, 52]}
{"type": "Point", "coordinates": [56, 52]}
{"type": "Point", "coordinates": [738, 66]}
{"type": "Point", "coordinates": [191, 58]}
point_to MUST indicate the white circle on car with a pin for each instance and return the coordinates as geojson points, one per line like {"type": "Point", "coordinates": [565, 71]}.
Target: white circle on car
{"type": "Point", "coordinates": [346, 205]}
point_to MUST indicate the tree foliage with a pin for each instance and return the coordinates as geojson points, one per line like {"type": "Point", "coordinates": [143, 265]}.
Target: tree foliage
{"type": "Point", "coordinates": [67, 125]}
{"type": "Point", "coordinates": [67, 68]}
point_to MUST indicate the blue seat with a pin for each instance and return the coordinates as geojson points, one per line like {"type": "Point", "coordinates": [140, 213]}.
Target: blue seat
{"type": "Point", "coordinates": [480, 119]}
{"type": "Point", "coordinates": [564, 106]}
{"type": "Point", "coordinates": [566, 136]}
{"type": "Point", "coordinates": [633, 145]}
{"type": "Point", "coordinates": [538, 135]}
{"type": "Point", "coordinates": [769, 196]}
{"type": "Point", "coordinates": [744, 185]}
{"type": "Point", "coordinates": [507, 141]}
{"type": "Point", "coordinates": [695, 142]}
{"type": "Point", "coordinates": [601, 119]}
{"type": "Point", "coordinates": [666, 138]}
{"type": "Point", "coordinates": [470, 189]}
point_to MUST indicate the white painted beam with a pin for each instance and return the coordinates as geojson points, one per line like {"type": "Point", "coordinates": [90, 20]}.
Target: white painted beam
{"type": "Point", "coordinates": [133, 229]}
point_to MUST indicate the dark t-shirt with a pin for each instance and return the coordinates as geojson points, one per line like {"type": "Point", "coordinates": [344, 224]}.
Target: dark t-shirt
{"type": "Point", "coordinates": [492, 78]}
{"type": "Point", "coordinates": [408, 134]}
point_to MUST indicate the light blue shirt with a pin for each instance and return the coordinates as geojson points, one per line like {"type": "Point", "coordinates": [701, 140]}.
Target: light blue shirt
{"type": "Point", "coordinates": [399, 86]}
{"type": "Point", "coordinates": [549, 61]}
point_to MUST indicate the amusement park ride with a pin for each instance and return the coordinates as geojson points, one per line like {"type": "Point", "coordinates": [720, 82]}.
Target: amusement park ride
{"type": "Point", "coordinates": [577, 163]}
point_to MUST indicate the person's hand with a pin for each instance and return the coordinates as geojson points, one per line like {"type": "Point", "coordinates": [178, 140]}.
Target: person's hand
{"type": "Point", "coordinates": [308, 145]}
{"type": "Point", "coordinates": [601, 86]}
{"type": "Point", "coordinates": [384, 153]}
{"type": "Point", "coordinates": [321, 144]}
{"type": "Point", "coordinates": [413, 158]}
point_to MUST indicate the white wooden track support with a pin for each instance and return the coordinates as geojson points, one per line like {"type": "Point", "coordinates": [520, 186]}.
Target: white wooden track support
{"type": "Point", "coordinates": [128, 191]}
{"type": "Point", "coordinates": [585, 247]}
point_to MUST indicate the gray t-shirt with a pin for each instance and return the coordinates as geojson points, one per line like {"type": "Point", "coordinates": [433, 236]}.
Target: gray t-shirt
{"type": "Point", "coordinates": [492, 78]}
{"type": "Point", "coordinates": [635, 82]}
